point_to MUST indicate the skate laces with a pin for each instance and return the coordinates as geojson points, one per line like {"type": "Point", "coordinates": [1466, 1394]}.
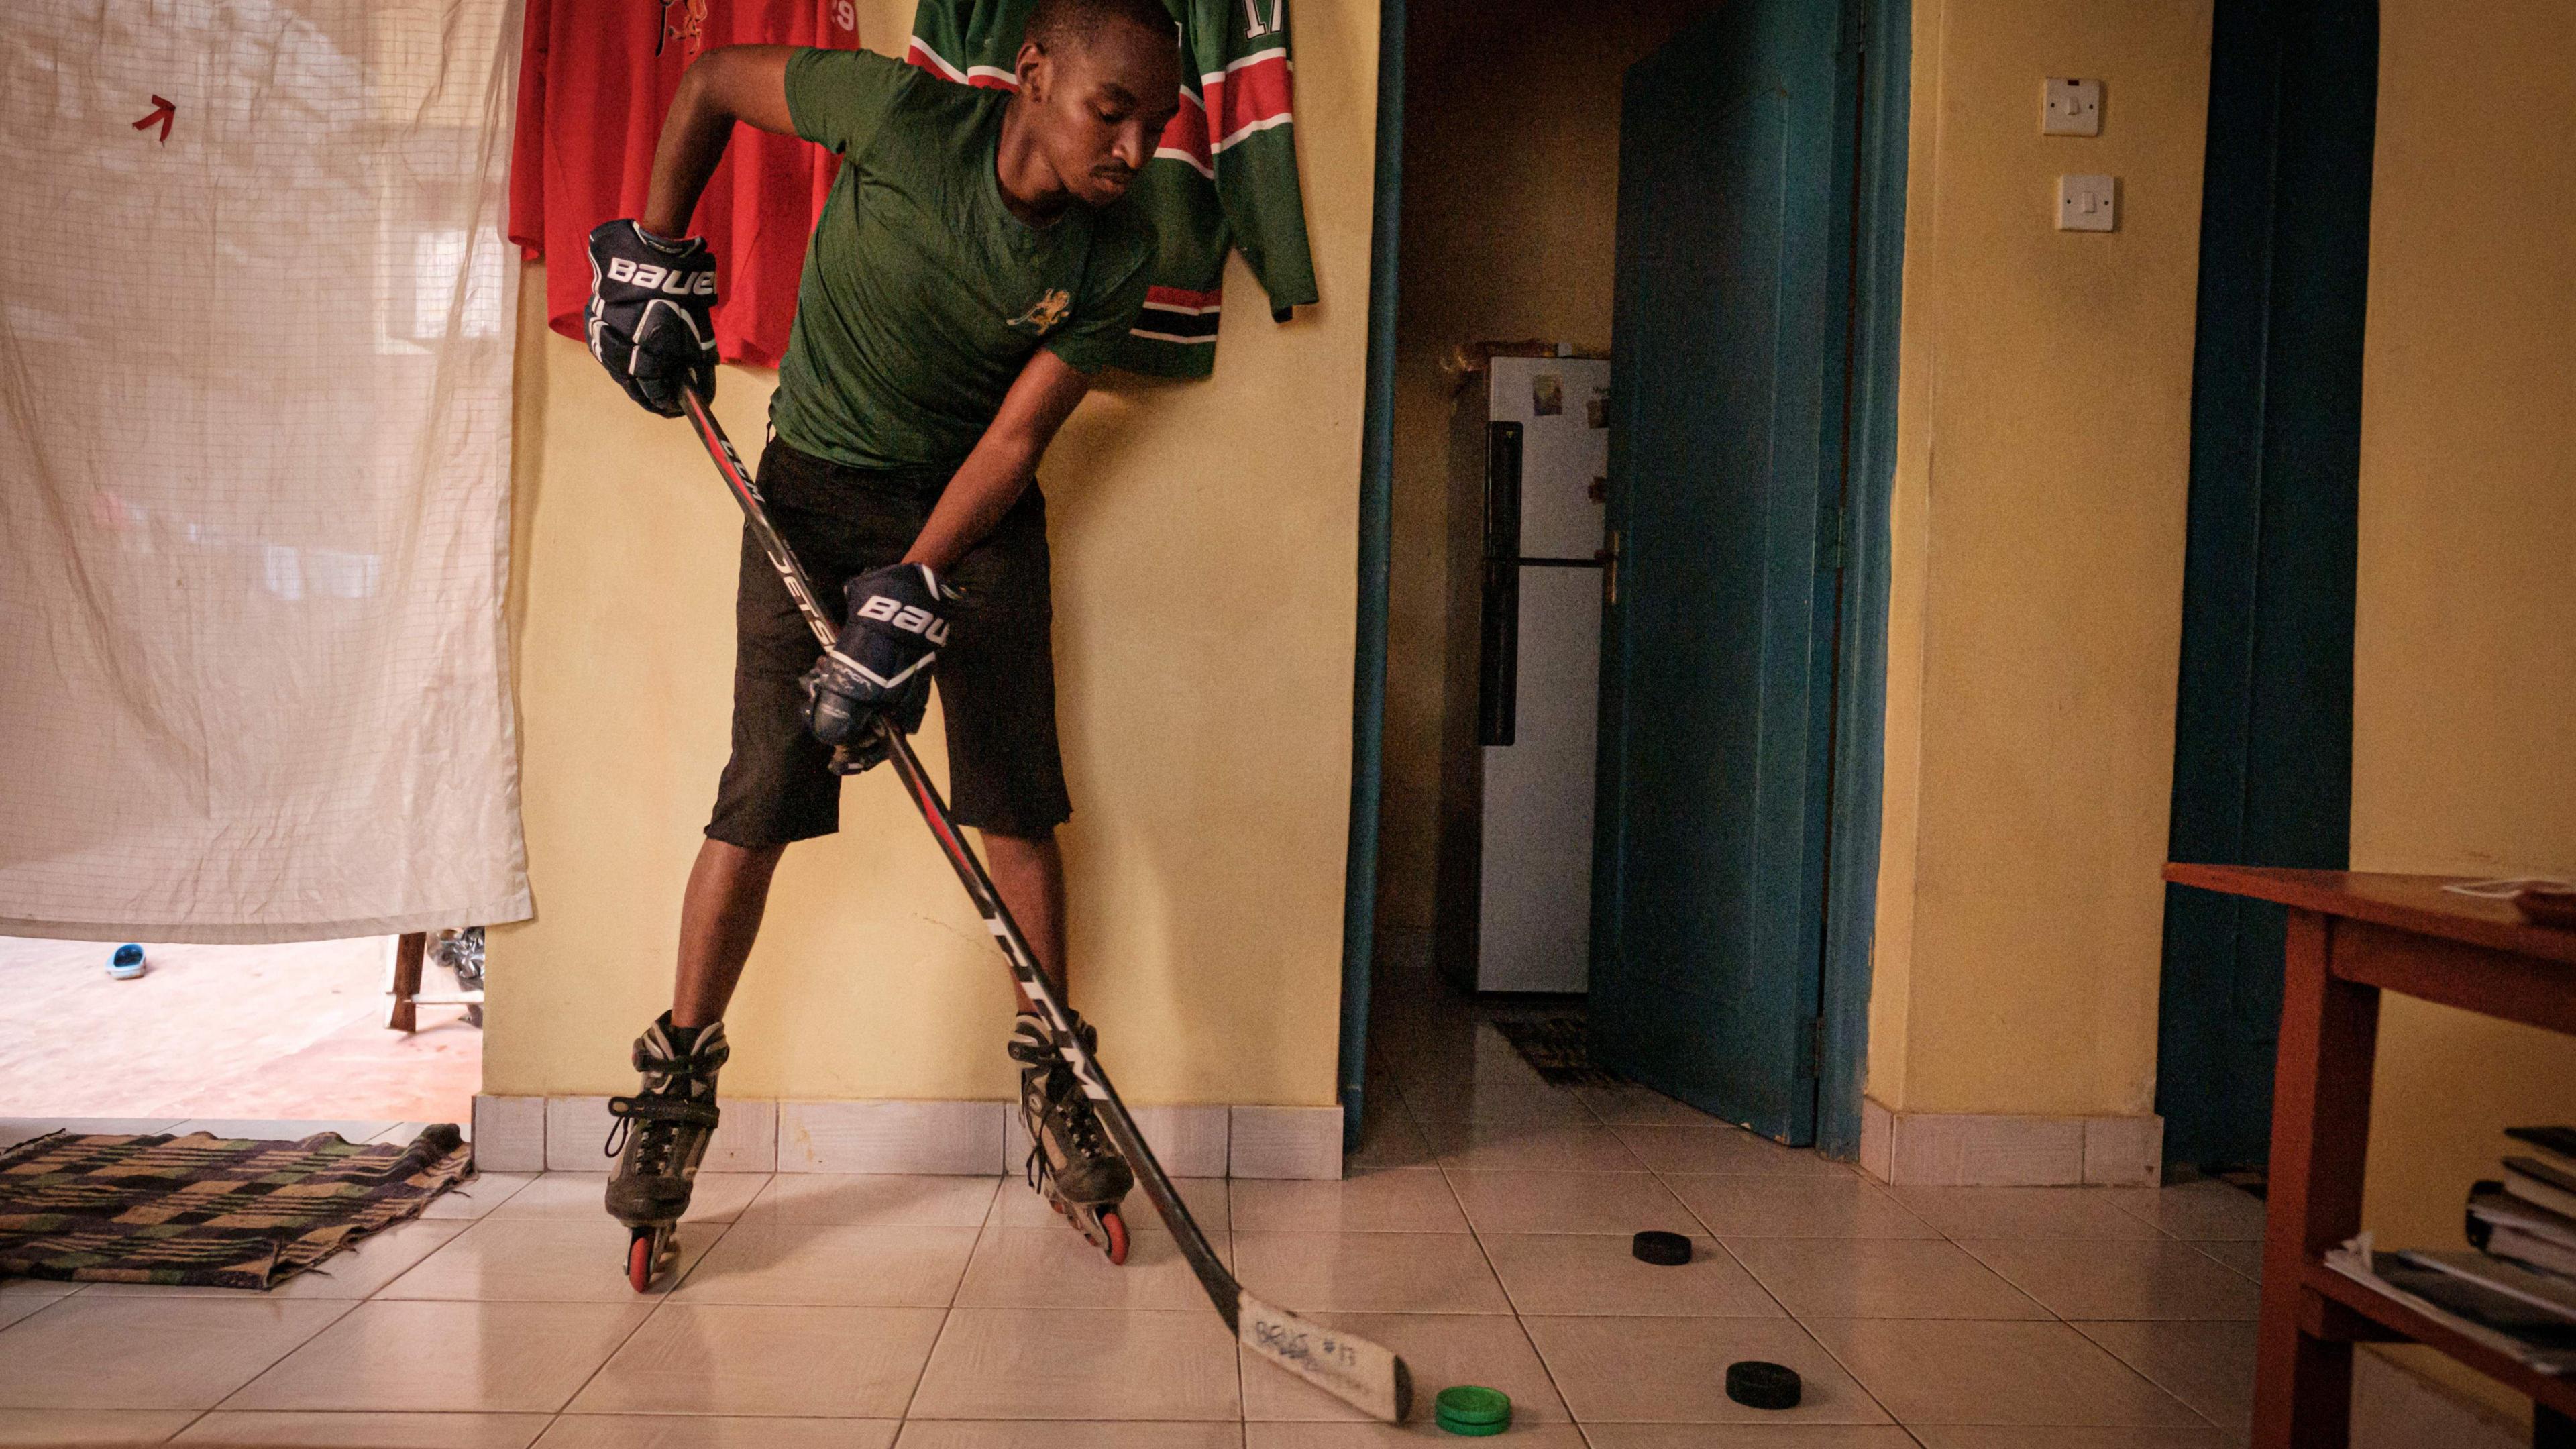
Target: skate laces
{"type": "Point", "coordinates": [671, 1073]}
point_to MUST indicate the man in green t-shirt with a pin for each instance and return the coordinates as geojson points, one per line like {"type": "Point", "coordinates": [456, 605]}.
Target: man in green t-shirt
{"type": "Point", "coordinates": [975, 264]}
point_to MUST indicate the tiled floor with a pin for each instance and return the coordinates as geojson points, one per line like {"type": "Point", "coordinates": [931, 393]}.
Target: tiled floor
{"type": "Point", "coordinates": [1483, 1234]}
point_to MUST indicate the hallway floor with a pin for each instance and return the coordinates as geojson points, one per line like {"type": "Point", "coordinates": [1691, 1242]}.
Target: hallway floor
{"type": "Point", "coordinates": [1482, 1233]}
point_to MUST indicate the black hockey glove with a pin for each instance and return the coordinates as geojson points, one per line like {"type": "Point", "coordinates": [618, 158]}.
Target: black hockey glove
{"type": "Point", "coordinates": [879, 667]}
{"type": "Point", "coordinates": [651, 314]}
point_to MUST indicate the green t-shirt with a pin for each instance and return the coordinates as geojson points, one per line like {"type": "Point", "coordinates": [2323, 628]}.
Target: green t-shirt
{"type": "Point", "coordinates": [923, 296]}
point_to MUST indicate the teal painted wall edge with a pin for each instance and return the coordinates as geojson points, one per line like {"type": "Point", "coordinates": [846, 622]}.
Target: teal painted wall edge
{"type": "Point", "coordinates": [1860, 725]}
{"type": "Point", "coordinates": [1377, 522]}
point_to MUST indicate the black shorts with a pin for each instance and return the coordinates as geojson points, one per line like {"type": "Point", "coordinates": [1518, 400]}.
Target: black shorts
{"type": "Point", "coordinates": [995, 677]}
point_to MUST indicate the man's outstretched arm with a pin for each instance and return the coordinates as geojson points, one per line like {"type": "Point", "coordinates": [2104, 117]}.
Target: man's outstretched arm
{"type": "Point", "coordinates": [1003, 461]}
{"type": "Point", "coordinates": [746, 83]}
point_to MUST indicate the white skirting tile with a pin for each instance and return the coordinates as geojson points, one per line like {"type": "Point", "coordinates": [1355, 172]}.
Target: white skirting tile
{"type": "Point", "coordinates": [928, 1137]}
{"type": "Point", "coordinates": [1285, 1142]}
{"type": "Point", "coordinates": [510, 1134]}
{"type": "Point", "coordinates": [1962, 1149]}
{"type": "Point", "coordinates": [577, 1132]}
{"type": "Point", "coordinates": [2124, 1151]}
{"type": "Point", "coordinates": [1188, 1141]}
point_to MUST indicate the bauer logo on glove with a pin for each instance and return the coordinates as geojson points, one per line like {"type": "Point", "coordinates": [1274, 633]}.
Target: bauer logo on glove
{"type": "Point", "coordinates": [651, 317]}
{"type": "Point", "coordinates": [879, 666]}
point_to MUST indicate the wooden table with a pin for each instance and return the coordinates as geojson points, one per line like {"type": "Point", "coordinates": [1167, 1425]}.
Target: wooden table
{"type": "Point", "coordinates": [2353, 936]}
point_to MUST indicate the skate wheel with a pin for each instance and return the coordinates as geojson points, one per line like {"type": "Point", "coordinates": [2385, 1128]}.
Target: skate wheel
{"type": "Point", "coordinates": [1113, 1233]}
{"type": "Point", "coordinates": [639, 1263]}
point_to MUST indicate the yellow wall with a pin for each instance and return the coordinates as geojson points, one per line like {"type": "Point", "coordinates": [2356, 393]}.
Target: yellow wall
{"type": "Point", "coordinates": [1511, 169]}
{"type": "Point", "coordinates": [1205, 545]}
{"type": "Point", "coordinates": [2043, 463]}
{"type": "Point", "coordinates": [2464, 728]}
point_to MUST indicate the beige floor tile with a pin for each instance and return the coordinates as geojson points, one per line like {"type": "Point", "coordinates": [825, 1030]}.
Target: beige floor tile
{"type": "Point", "coordinates": [1440, 1350]}
{"type": "Point", "coordinates": [92, 1426]}
{"type": "Point", "coordinates": [876, 1266]}
{"type": "Point", "coordinates": [2245, 1258]}
{"type": "Point", "coordinates": [1582, 1273]}
{"type": "Point", "coordinates": [2024, 1212]}
{"type": "Point", "coordinates": [1960, 1372]}
{"type": "Point", "coordinates": [477, 1195]}
{"type": "Point", "coordinates": [710, 1358]}
{"type": "Point", "coordinates": [1673, 1370]}
{"type": "Point", "coordinates": [2207, 1211]}
{"type": "Point", "coordinates": [1054, 1267]}
{"type": "Point", "coordinates": [2120, 1280]}
{"type": "Point", "coordinates": [1628, 1106]}
{"type": "Point", "coordinates": [1497, 1147]}
{"type": "Point", "coordinates": [700, 1431]}
{"type": "Point", "coordinates": [1880, 1278]}
{"type": "Point", "coordinates": [2057, 1437]}
{"type": "Point", "coordinates": [1205, 1197]}
{"type": "Point", "coordinates": [150, 1353]}
{"type": "Point", "coordinates": [22, 1296]}
{"type": "Point", "coordinates": [1389, 1138]}
{"type": "Point", "coordinates": [369, 1431]}
{"type": "Point", "coordinates": [1365, 1202]}
{"type": "Point", "coordinates": [1369, 1272]}
{"type": "Point", "coordinates": [852, 1199]}
{"type": "Point", "coordinates": [1722, 1148]}
{"type": "Point", "coordinates": [446, 1358]}
{"type": "Point", "coordinates": [1618, 1203]}
{"type": "Point", "coordinates": [1391, 1436]}
{"type": "Point", "coordinates": [542, 1260]}
{"type": "Point", "coordinates": [357, 1272]}
{"type": "Point", "coordinates": [2209, 1366]}
{"type": "Point", "coordinates": [1780, 1206]}
{"type": "Point", "coordinates": [1058, 1434]}
{"type": "Point", "coordinates": [717, 1197]}
{"type": "Point", "coordinates": [1519, 1103]}
{"type": "Point", "coordinates": [1056, 1363]}
{"type": "Point", "coordinates": [1749, 1436]}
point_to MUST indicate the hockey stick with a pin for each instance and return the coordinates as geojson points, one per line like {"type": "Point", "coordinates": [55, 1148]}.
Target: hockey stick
{"type": "Point", "coordinates": [1360, 1373]}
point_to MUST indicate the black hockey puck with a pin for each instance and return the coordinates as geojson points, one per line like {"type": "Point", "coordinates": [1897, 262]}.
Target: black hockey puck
{"type": "Point", "coordinates": [1759, 1385]}
{"type": "Point", "coordinates": [1664, 1250]}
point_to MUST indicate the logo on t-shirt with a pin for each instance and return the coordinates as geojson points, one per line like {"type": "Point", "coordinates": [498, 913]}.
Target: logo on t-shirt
{"type": "Point", "coordinates": [1042, 318]}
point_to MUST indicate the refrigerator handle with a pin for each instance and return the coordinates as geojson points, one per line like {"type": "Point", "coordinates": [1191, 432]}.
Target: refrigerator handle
{"type": "Point", "coordinates": [1498, 669]}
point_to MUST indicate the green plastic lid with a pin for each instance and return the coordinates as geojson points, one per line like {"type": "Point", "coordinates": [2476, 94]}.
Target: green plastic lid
{"type": "Point", "coordinates": [1467, 1408]}
{"type": "Point", "coordinates": [1467, 1430]}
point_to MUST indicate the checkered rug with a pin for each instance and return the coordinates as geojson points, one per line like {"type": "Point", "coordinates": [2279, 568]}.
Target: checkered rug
{"type": "Point", "coordinates": [1559, 1049]}
{"type": "Point", "coordinates": [207, 1211]}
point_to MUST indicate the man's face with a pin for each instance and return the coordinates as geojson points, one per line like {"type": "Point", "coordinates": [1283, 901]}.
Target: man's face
{"type": "Point", "coordinates": [1100, 103]}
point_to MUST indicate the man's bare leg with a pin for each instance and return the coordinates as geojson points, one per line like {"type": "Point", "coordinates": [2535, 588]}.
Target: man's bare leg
{"type": "Point", "coordinates": [1028, 872]}
{"type": "Point", "coordinates": [719, 917]}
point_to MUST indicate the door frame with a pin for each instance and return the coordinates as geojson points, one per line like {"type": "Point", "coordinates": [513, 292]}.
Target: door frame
{"type": "Point", "coordinates": [1875, 95]}
{"type": "Point", "coordinates": [1884, 89]}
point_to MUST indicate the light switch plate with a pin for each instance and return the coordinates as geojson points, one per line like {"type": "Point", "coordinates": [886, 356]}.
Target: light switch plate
{"type": "Point", "coordinates": [2088, 203]}
{"type": "Point", "coordinates": [2071, 108]}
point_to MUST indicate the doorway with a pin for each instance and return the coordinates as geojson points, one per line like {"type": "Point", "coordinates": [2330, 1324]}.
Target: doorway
{"type": "Point", "coordinates": [1514, 183]}
{"type": "Point", "coordinates": [2263, 731]}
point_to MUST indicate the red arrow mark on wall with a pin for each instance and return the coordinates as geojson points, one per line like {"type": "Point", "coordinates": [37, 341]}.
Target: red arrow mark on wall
{"type": "Point", "coordinates": [163, 111]}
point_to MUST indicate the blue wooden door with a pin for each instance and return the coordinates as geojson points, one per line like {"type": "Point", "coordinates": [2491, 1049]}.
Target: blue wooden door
{"type": "Point", "coordinates": [1729, 347]}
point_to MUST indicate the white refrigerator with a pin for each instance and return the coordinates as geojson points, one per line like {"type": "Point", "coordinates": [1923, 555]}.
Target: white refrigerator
{"type": "Point", "coordinates": [1546, 445]}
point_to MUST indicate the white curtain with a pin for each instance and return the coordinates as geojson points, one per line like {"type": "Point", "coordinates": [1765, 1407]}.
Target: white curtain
{"type": "Point", "coordinates": [254, 468]}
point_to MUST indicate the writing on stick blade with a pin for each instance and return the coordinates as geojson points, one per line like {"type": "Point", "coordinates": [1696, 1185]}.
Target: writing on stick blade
{"type": "Point", "coordinates": [1361, 1374]}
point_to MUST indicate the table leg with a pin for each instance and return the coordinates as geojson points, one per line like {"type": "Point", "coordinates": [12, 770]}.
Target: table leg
{"type": "Point", "coordinates": [2320, 1136]}
{"type": "Point", "coordinates": [405, 1016]}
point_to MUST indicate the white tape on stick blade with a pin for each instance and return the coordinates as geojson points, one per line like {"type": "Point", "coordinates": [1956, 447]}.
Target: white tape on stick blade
{"type": "Point", "coordinates": [1350, 1368]}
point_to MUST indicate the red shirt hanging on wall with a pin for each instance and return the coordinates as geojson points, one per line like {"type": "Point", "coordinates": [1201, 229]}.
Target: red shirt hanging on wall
{"type": "Point", "coordinates": [595, 78]}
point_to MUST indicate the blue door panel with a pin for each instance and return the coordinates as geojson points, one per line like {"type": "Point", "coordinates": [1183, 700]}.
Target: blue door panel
{"type": "Point", "coordinates": [1728, 353]}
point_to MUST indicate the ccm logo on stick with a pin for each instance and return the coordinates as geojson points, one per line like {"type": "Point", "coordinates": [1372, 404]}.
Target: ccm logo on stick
{"type": "Point", "coordinates": [662, 279]}
{"type": "Point", "coordinates": [907, 617]}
